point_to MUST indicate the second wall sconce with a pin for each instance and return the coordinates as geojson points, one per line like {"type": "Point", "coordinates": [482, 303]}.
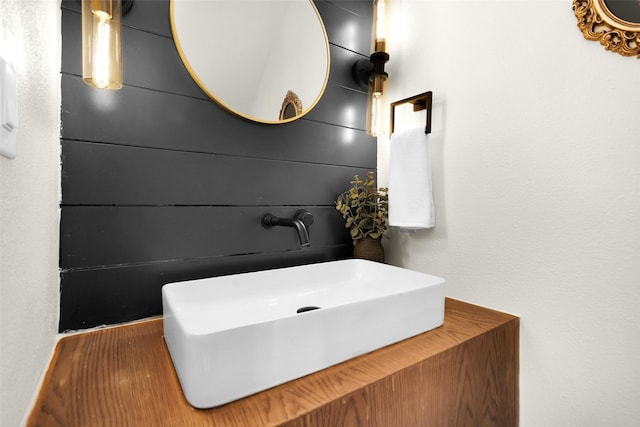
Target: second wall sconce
{"type": "Point", "coordinates": [371, 71]}
{"type": "Point", "coordinates": [102, 42]}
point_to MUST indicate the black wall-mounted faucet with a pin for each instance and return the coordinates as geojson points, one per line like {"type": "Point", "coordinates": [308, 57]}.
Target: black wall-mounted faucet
{"type": "Point", "coordinates": [301, 221]}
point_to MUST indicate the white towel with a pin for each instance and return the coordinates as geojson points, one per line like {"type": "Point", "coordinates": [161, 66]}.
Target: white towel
{"type": "Point", "coordinates": [410, 191]}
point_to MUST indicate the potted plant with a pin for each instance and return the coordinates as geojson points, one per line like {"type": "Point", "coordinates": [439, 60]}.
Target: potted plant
{"type": "Point", "coordinates": [364, 209]}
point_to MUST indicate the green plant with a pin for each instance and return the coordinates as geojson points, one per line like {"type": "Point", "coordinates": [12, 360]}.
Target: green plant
{"type": "Point", "coordinates": [364, 208]}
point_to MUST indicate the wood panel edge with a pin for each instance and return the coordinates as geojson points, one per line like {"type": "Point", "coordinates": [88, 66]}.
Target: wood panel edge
{"type": "Point", "coordinates": [39, 400]}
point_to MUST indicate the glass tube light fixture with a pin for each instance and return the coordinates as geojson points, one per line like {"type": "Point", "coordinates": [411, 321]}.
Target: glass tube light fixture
{"type": "Point", "coordinates": [378, 76]}
{"type": "Point", "coordinates": [102, 43]}
{"type": "Point", "coordinates": [379, 26]}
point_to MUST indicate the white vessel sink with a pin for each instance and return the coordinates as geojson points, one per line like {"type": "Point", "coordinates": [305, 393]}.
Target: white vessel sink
{"type": "Point", "coordinates": [232, 336]}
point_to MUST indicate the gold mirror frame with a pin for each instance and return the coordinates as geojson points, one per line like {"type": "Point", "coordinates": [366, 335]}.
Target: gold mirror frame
{"type": "Point", "coordinates": [214, 59]}
{"type": "Point", "coordinates": [290, 100]}
{"type": "Point", "coordinates": [598, 23]}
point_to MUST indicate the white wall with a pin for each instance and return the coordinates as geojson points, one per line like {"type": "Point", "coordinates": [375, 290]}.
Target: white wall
{"type": "Point", "coordinates": [536, 157]}
{"type": "Point", "coordinates": [29, 206]}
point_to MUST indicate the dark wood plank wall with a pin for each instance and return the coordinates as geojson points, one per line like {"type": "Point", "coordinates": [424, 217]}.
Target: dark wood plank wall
{"type": "Point", "coordinates": [161, 184]}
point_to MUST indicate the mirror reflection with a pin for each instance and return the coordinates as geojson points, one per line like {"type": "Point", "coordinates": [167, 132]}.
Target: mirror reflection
{"type": "Point", "coordinates": [627, 10]}
{"type": "Point", "coordinates": [250, 56]}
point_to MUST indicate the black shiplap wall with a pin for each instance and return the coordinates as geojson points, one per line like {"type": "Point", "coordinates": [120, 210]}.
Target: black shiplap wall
{"type": "Point", "coordinates": [160, 184]}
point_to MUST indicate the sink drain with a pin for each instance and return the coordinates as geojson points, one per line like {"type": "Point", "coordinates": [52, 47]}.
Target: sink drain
{"type": "Point", "coordinates": [307, 308]}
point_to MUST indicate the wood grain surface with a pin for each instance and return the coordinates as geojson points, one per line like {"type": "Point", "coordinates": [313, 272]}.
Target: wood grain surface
{"type": "Point", "coordinates": [464, 373]}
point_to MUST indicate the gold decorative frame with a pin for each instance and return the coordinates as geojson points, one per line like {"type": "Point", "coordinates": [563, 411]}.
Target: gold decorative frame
{"type": "Point", "coordinates": [207, 89]}
{"type": "Point", "coordinates": [598, 23]}
{"type": "Point", "coordinates": [290, 99]}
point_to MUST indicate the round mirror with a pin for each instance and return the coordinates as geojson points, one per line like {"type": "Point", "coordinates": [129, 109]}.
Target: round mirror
{"type": "Point", "coordinates": [267, 61]}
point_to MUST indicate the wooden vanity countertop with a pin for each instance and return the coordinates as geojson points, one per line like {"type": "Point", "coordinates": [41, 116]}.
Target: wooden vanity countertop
{"type": "Point", "coordinates": [123, 376]}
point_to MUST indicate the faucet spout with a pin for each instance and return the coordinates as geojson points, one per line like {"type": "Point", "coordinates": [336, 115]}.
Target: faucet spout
{"type": "Point", "coordinates": [301, 221]}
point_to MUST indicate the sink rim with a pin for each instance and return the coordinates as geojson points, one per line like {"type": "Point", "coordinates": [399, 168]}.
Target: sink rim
{"type": "Point", "coordinates": [215, 287]}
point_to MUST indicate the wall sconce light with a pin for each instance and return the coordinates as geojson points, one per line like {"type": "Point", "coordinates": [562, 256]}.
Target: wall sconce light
{"type": "Point", "coordinates": [102, 42]}
{"type": "Point", "coordinates": [370, 72]}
